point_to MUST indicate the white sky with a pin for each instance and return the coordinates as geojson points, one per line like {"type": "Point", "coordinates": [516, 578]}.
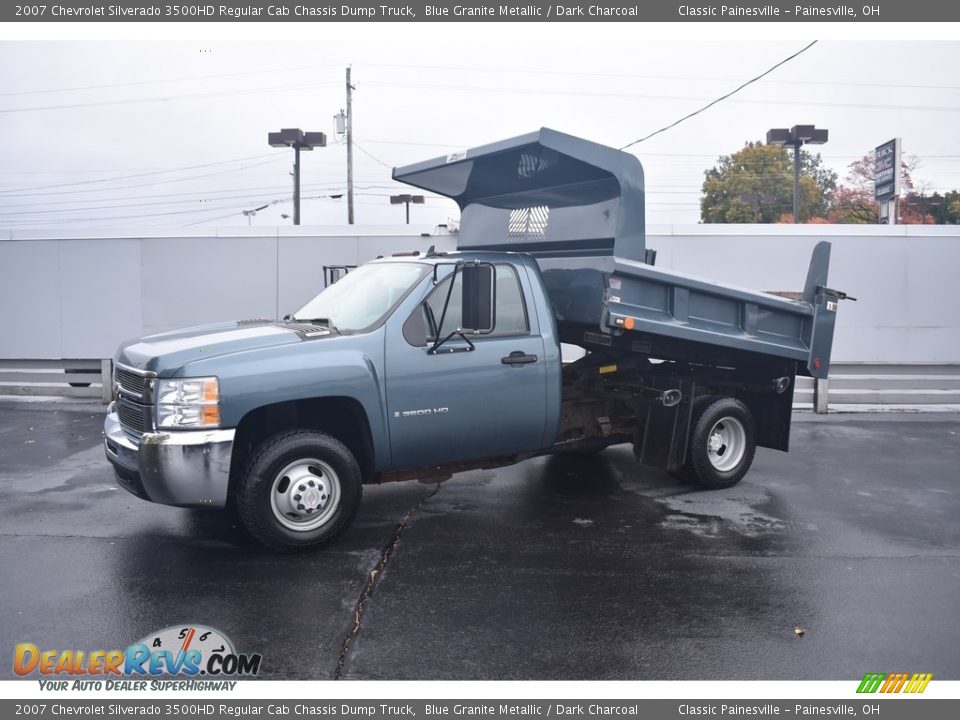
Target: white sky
{"type": "Point", "coordinates": [422, 91]}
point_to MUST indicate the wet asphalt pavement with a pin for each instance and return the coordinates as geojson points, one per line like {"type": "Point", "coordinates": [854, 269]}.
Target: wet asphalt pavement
{"type": "Point", "coordinates": [559, 568]}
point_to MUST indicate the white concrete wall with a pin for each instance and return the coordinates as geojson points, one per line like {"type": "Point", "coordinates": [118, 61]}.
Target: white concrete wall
{"type": "Point", "coordinates": [906, 279]}
{"type": "Point", "coordinates": [80, 296]}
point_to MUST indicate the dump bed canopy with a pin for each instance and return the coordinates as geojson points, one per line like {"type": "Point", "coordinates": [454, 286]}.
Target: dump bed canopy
{"type": "Point", "coordinates": [546, 193]}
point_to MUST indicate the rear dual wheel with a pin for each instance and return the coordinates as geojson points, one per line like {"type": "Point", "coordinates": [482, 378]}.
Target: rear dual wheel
{"type": "Point", "coordinates": [722, 443]}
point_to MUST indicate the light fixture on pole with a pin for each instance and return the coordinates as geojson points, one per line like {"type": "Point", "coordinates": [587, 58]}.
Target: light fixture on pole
{"type": "Point", "coordinates": [250, 213]}
{"type": "Point", "coordinates": [406, 200]}
{"type": "Point", "coordinates": [796, 137]}
{"type": "Point", "coordinates": [298, 140]}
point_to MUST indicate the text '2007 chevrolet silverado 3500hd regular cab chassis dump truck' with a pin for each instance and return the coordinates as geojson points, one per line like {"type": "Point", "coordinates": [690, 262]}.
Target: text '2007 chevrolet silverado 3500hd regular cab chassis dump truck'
{"type": "Point", "coordinates": [418, 366]}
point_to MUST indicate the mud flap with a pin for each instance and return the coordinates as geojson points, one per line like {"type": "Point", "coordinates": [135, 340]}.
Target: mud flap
{"type": "Point", "coordinates": [663, 432]}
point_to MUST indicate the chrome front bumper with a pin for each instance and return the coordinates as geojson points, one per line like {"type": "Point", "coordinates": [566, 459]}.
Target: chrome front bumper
{"type": "Point", "coordinates": [187, 468]}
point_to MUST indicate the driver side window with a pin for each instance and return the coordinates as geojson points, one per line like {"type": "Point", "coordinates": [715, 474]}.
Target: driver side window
{"type": "Point", "coordinates": [511, 312]}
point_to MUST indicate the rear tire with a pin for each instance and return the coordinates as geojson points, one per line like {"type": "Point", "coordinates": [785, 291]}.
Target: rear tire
{"type": "Point", "coordinates": [299, 490]}
{"type": "Point", "coordinates": [722, 444]}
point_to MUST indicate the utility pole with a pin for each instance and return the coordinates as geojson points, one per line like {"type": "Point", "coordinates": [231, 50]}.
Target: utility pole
{"type": "Point", "coordinates": [349, 149]}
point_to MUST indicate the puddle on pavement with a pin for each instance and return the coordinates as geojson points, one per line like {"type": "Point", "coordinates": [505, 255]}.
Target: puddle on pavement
{"type": "Point", "coordinates": [713, 513]}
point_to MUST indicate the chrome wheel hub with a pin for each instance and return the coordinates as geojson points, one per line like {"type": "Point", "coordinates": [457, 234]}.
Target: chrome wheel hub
{"type": "Point", "coordinates": [726, 444]}
{"type": "Point", "coordinates": [305, 494]}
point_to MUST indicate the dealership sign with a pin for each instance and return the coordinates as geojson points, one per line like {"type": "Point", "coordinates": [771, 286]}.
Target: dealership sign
{"type": "Point", "coordinates": [886, 171]}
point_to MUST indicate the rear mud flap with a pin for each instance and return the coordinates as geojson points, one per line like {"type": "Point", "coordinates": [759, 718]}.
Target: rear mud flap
{"type": "Point", "coordinates": [662, 432]}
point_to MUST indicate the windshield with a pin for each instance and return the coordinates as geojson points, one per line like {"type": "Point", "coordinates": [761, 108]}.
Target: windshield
{"type": "Point", "coordinates": [363, 296]}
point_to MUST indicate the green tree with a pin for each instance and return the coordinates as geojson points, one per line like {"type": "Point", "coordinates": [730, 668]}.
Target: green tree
{"type": "Point", "coordinates": [755, 185]}
{"type": "Point", "coordinates": [952, 202]}
{"type": "Point", "coordinates": [933, 209]}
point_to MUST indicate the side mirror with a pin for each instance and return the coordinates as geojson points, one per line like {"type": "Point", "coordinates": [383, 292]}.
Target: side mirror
{"type": "Point", "coordinates": [478, 300]}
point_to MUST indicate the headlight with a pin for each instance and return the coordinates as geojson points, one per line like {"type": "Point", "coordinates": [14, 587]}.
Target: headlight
{"type": "Point", "coordinates": [188, 403]}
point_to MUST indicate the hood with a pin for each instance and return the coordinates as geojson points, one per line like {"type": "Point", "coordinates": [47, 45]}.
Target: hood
{"type": "Point", "coordinates": [164, 353]}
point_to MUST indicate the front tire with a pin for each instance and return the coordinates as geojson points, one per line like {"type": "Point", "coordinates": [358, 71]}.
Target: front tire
{"type": "Point", "coordinates": [722, 444]}
{"type": "Point", "coordinates": [299, 490]}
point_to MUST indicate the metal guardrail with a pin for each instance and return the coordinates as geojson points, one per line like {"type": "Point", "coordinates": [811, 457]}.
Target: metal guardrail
{"type": "Point", "coordinates": [877, 384]}
{"type": "Point", "coordinates": [848, 384]}
{"type": "Point", "coordinates": [57, 378]}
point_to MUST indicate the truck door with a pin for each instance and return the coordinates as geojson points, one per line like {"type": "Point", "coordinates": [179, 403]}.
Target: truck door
{"type": "Point", "coordinates": [465, 405]}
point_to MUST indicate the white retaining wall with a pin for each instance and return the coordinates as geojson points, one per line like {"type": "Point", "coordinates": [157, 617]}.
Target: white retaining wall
{"type": "Point", "coordinates": [80, 296]}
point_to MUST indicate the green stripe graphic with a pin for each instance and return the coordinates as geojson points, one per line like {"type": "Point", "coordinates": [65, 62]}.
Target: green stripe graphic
{"type": "Point", "coordinates": [871, 682]}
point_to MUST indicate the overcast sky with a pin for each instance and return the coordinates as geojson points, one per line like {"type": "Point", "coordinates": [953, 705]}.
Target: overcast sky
{"type": "Point", "coordinates": [77, 117]}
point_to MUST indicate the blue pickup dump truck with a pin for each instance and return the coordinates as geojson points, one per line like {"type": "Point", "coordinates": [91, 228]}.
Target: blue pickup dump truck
{"type": "Point", "coordinates": [423, 365]}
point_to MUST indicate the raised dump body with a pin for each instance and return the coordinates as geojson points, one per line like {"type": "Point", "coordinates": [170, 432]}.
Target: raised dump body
{"type": "Point", "coordinates": [578, 207]}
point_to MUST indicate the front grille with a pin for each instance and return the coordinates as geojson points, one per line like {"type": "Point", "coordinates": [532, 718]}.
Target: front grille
{"type": "Point", "coordinates": [133, 417]}
{"type": "Point", "coordinates": [129, 381]}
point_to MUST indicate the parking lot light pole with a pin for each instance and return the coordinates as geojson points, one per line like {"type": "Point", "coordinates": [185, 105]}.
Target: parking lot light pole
{"type": "Point", "coordinates": [251, 213]}
{"type": "Point", "coordinates": [298, 140]}
{"type": "Point", "coordinates": [406, 200]}
{"type": "Point", "coordinates": [796, 137]}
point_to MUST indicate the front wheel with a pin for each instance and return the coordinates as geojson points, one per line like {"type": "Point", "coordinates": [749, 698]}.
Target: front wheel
{"type": "Point", "coordinates": [299, 490]}
{"type": "Point", "coordinates": [722, 444]}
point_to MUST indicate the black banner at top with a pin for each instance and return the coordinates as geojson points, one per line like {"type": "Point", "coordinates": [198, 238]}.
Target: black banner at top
{"type": "Point", "coordinates": [78, 11]}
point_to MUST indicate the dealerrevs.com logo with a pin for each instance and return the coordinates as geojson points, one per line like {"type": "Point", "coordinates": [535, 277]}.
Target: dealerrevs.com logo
{"type": "Point", "coordinates": [182, 650]}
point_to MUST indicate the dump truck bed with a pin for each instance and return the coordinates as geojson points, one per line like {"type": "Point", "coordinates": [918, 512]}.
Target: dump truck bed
{"type": "Point", "coordinates": [578, 208]}
{"type": "Point", "coordinates": [660, 302]}
{"type": "Point", "coordinates": [653, 303]}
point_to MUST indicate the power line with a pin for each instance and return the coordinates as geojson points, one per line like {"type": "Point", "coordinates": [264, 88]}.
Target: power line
{"type": "Point", "coordinates": [721, 98]}
{"type": "Point", "coordinates": [248, 198]}
{"type": "Point", "coordinates": [648, 96]}
{"type": "Point", "coordinates": [169, 80]}
{"type": "Point", "coordinates": [634, 76]}
{"type": "Point", "coordinates": [7, 193]}
{"type": "Point", "coordinates": [27, 209]}
{"type": "Point", "coordinates": [131, 217]}
{"type": "Point", "coordinates": [203, 195]}
{"type": "Point", "coordinates": [920, 155]}
{"type": "Point", "coordinates": [166, 98]}
{"type": "Point", "coordinates": [510, 70]}
{"type": "Point", "coordinates": [87, 171]}
{"type": "Point", "coordinates": [370, 155]}
{"type": "Point", "coordinates": [220, 217]}
{"type": "Point", "coordinates": [141, 174]}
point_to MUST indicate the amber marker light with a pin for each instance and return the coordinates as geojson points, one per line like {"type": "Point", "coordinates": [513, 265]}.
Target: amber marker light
{"type": "Point", "coordinates": [211, 393]}
{"type": "Point", "coordinates": [211, 415]}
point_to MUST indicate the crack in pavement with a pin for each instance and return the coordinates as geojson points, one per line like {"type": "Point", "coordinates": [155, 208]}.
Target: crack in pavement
{"type": "Point", "coordinates": [373, 580]}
